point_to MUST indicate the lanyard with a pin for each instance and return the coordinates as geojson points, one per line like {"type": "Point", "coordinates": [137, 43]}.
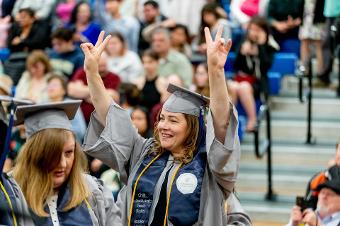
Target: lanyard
{"type": "Point", "coordinates": [10, 204]}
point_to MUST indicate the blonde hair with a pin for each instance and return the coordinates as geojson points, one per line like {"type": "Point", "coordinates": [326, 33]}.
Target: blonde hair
{"type": "Point", "coordinates": [39, 56]}
{"type": "Point", "coordinates": [190, 143]}
{"type": "Point", "coordinates": [37, 158]}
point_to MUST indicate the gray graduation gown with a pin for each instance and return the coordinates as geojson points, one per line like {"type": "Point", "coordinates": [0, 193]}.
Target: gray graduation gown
{"type": "Point", "coordinates": [120, 146]}
{"type": "Point", "coordinates": [23, 215]}
{"type": "Point", "coordinates": [104, 210]}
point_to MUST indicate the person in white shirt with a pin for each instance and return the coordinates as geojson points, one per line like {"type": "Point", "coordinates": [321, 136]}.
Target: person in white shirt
{"type": "Point", "coordinates": [327, 212]}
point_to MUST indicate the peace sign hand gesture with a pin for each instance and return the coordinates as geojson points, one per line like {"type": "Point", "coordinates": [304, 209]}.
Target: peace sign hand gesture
{"type": "Point", "coordinates": [93, 53]}
{"type": "Point", "coordinates": [217, 50]}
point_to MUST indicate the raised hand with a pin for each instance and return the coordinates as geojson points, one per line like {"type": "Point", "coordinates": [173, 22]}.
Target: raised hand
{"type": "Point", "coordinates": [217, 50]}
{"type": "Point", "coordinates": [93, 53]}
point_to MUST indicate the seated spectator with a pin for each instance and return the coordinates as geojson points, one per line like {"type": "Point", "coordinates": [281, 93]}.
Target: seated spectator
{"type": "Point", "coordinates": [57, 92]}
{"type": "Point", "coordinates": [64, 10]}
{"type": "Point", "coordinates": [78, 88]}
{"type": "Point", "coordinates": [285, 18]}
{"type": "Point", "coordinates": [151, 17]}
{"type": "Point", "coordinates": [111, 20]}
{"type": "Point", "coordinates": [253, 60]}
{"type": "Point", "coordinates": [201, 80]}
{"type": "Point", "coordinates": [172, 61]}
{"type": "Point", "coordinates": [243, 10]}
{"type": "Point", "coordinates": [328, 207]}
{"type": "Point", "coordinates": [122, 61]}
{"type": "Point", "coordinates": [129, 96]}
{"type": "Point", "coordinates": [150, 85]}
{"type": "Point", "coordinates": [66, 58]}
{"type": "Point", "coordinates": [24, 36]}
{"type": "Point", "coordinates": [332, 172]}
{"type": "Point", "coordinates": [33, 83]}
{"type": "Point", "coordinates": [42, 8]}
{"type": "Point", "coordinates": [212, 16]}
{"type": "Point", "coordinates": [27, 34]}
{"type": "Point", "coordinates": [140, 119]}
{"type": "Point", "coordinates": [180, 39]}
{"type": "Point", "coordinates": [81, 21]}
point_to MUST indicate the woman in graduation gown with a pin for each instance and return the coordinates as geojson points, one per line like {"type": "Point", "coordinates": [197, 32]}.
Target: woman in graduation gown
{"type": "Point", "coordinates": [51, 167]}
{"type": "Point", "coordinates": [184, 174]}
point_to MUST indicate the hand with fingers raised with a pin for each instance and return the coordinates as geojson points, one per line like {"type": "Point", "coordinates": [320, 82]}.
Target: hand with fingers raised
{"type": "Point", "coordinates": [218, 49]}
{"type": "Point", "coordinates": [93, 53]}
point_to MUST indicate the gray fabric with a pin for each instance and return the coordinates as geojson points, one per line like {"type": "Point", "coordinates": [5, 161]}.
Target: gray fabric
{"type": "Point", "coordinates": [119, 146]}
{"type": "Point", "coordinates": [184, 101]}
{"type": "Point", "coordinates": [235, 212]}
{"type": "Point", "coordinates": [52, 119]}
{"type": "Point", "coordinates": [47, 116]}
{"type": "Point", "coordinates": [23, 215]}
{"type": "Point", "coordinates": [104, 209]}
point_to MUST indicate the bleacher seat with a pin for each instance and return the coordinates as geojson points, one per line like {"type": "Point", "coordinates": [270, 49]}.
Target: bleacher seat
{"type": "Point", "coordinates": [290, 46]}
{"type": "Point", "coordinates": [4, 54]}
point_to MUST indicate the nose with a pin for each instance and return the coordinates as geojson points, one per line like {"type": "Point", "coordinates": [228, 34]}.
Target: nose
{"type": "Point", "coordinates": [162, 125]}
{"type": "Point", "coordinates": [62, 163]}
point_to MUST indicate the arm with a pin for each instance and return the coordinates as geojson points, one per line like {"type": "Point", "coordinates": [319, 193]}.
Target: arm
{"type": "Point", "coordinates": [77, 89]}
{"type": "Point", "coordinates": [100, 98]}
{"type": "Point", "coordinates": [217, 53]}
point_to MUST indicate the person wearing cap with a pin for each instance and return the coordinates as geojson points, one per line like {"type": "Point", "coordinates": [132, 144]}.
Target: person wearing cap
{"type": "Point", "coordinates": [51, 167]}
{"type": "Point", "coordinates": [327, 212]}
{"type": "Point", "coordinates": [183, 175]}
{"type": "Point", "coordinates": [13, 206]}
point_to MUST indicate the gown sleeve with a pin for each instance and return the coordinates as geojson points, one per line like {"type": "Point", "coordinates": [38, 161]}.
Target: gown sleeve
{"type": "Point", "coordinates": [223, 159]}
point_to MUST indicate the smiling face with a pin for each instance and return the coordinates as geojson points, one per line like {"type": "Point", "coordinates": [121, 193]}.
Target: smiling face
{"type": "Point", "coordinates": [172, 131]}
{"type": "Point", "coordinates": [61, 173]}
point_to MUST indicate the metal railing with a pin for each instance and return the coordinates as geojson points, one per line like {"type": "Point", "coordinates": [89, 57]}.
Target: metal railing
{"type": "Point", "coordinates": [263, 146]}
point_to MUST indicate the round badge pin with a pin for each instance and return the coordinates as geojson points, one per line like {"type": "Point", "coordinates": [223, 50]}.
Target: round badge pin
{"type": "Point", "coordinates": [186, 183]}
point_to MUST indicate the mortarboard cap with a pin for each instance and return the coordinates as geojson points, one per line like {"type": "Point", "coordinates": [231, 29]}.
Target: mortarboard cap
{"type": "Point", "coordinates": [184, 101]}
{"type": "Point", "coordinates": [47, 116]}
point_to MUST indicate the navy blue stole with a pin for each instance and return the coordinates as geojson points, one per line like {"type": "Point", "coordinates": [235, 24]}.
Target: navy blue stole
{"type": "Point", "coordinates": [6, 217]}
{"type": "Point", "coordinates": [76, 216]}
{"type": "Point", "coordinates": [185, 194]}
{"type": "Point", "coordinates": [144, 191]}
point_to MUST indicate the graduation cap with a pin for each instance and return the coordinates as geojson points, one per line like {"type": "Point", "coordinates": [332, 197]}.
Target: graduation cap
{"type": "Point", "coordinates": [184, 101]}
{"type": "Point", "coordinates": [55, 115]}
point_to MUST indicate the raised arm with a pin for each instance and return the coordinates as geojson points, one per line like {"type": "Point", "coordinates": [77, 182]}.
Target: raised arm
{"type": "Point", "coordinates": [217, 53]}
{"type": "Point", "coordinates": [100, 98]}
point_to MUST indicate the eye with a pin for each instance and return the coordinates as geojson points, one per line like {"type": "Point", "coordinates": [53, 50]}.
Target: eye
{"type": "Point", "coordinates": [68, 153]}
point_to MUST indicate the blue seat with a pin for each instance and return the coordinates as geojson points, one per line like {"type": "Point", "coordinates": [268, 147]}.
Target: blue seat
{"type": "Point", "coordinates": [284, 63]}
{"type": "Point", "coordinates": [4, 54]}
{"type": "Point", "coordinates": [290, 46]}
